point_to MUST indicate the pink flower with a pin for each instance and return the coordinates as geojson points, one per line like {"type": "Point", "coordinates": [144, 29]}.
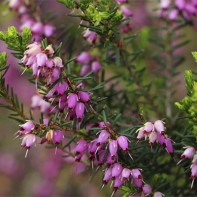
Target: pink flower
{"type": "Point", "coordinates": [169, 147]}
{"type": "Point", "coordinates": [57, 136]}
{"type": "Point", "coordinates": [28, 126]}
{"type": "Point", "coordinates": [123, 142]}
{"type": "Point", "coordinates": [81, 146]}
{"type": "Point", "coordinates": [84, 96]}
{"type": "Point", "coordinates": [148, 127]}
{"type": "Point", "coordinates": [189, 151]}
{"type": "Point", "coordinates": [72, 100]}
{"type": "Point", "coordinates": [136, 174]}
{"type": "Point", "coordinates": [180, 4]}
{"type": "Point", "coordinates": [95, 66]}
{"type": "Point", "coordinates": [126, 11]}
{"type": "Point", "coordinates": [103, 136]}
{"type": "Point", "coordinates": [146, 189]}
{"type": "Point", "coordinates": [28, 140]}
{"type": "Point", "coordinates": [85, 69]}
{"type": "Point", "coordinates": [80, 107]}
{"type": "Point", "coordinates": [37, 28]}
{"type": "Point", "coordinates": [107, 175]}
{"type": "Point", "coordinates": [83, 58]}
{"type": "Point", "coordinates": [113, 148]}
{"type": "Point", "coordinates": [48, 30]}
{"type": "Point", "coordinates": [116, 170]}
{"type": "Point", "coordinates": [158, 194]}
{"type": "Point", "coordinates": [165, 4]}
{"type": "Point", "coordinates": [173, 15]}
{"type": "Point", "coordinates": [126, 174]}
{"type": "Point", "coordinates": [159, 126]}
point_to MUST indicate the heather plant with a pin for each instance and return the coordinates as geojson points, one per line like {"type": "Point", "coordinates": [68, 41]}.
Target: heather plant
{"type": "Point", "coordinates": [99, 103]}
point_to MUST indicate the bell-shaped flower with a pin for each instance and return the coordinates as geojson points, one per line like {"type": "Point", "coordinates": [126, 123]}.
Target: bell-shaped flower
{"type": "Point", "coordinates": [123, 142]}
{"type": "Point", "coordinates": [116, 170]}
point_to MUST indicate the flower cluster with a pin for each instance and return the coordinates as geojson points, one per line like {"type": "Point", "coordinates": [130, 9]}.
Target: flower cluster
{"type": "Point", "coordinates": [43, 62]}
{"type": "Point", "coordinates": [98, 155]}
{"type": "Point", "coordinates": [25, 130]}
{"type": "Point", "coordinates": [156, 133]}
{"type": "Point", "coordinates": [89, 63]}
{"type": "Point", "coordinates": [119, 175]}
{"type": "Point", "coordinates": [73, 100]}
{"type": "Point", "coordinates": [172, 9]}
{"type": "Point", "coordinates": [38, 28]}
{"type": "Point", "coordinates": [188, 154]}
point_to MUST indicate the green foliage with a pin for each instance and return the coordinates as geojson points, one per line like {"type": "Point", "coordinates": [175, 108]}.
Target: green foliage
{"type": "Point", "coordinates": [15, 41]}
{"type": "Point", "coordinates": [189, 82]}
{"type": "Point", "coordinates": [3, 59]}
{"type": "Point", "coordinates": [195, 56]}
{"type": "Point", "coordinates": [68, 3]}
{"type": "Point", "coordinates": [189, 103]}
{"type": "Point", "coordinates": [26, 37]}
